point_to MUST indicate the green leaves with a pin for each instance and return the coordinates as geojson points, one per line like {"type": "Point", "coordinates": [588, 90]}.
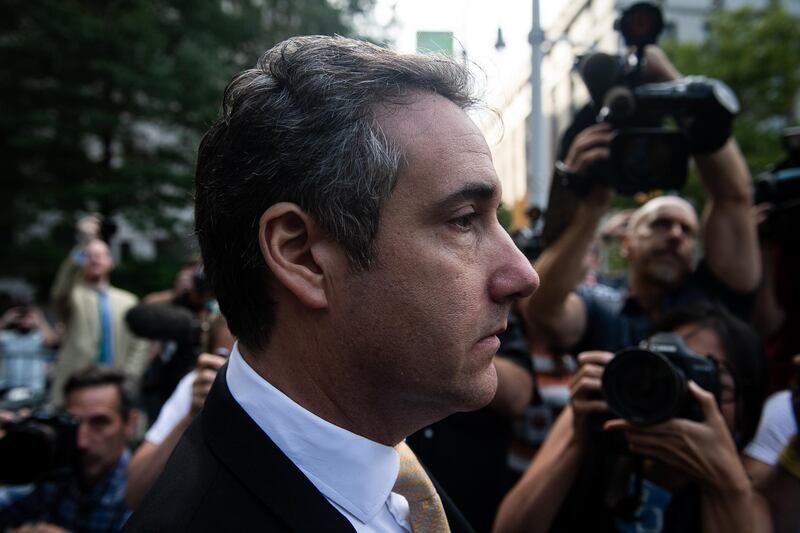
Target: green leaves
{"type": "Point", "coordinates": [103, 102]}
{"type": "Point", "coordinates": [754, 51]}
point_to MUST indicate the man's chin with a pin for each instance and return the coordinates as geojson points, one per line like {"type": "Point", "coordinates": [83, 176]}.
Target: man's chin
{"type": "Point", "coordinates": [90, 469]}
{"type": "Point", "coordinates": [481, 392]}
{"type": "Point", "coordinates": [668, 276]}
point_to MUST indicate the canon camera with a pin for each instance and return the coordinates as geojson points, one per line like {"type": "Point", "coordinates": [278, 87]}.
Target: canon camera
{"type": "Point", "coordinates": [649, 384]}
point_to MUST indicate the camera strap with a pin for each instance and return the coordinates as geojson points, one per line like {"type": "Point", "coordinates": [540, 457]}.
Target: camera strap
{"type": "Point", "coordinates": [624, 491]}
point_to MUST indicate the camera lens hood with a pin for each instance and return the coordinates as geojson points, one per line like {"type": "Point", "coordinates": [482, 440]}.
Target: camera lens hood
{"type": "Point", "coordinates": [643, 387]}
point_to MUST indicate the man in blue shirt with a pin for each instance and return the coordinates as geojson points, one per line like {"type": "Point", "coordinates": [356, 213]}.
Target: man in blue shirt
{"type": "Point", "coordinates": [92, 500]}
{"type": "Point", "coordinates": [660, 244]}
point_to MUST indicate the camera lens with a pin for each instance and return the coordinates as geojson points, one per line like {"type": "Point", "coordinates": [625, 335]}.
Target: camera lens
{"type": "Point", "coordinates": [643, 387]}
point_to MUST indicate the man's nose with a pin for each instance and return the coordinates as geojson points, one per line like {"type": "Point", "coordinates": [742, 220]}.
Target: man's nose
{"type": "Point", "coordinates": [676, 230]}
{"type": "Point", "coordinates": [514, 276]}
{"type": "Point", "coordinates": [83, 436]}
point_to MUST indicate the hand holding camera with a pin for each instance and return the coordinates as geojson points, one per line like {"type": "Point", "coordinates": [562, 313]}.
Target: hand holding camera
{"type": "Point", "coordinates": [88, 228]}
{"type": "Point", "coordinates": [658, 67]}
{"type": "Point", "coordinates": [207, 367]}
{"type": "Point", "coordinates": [590, 149]}
{"type": "Point", "coordinates": [591, 145]}
{"type": "Point", "coordinates": [585, 390]}
{"type": "Point", "coordinates": [704, 451]}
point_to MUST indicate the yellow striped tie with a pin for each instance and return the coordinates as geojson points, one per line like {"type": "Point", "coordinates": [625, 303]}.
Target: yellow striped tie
{"type": "Point", "coordinates": [425, 505]}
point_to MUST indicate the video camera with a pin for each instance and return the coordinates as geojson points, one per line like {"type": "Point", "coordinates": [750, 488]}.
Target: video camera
{"type": "Point", "coordinates": [645, 154]}
{"type": "Point", "coordinates": [39, 447]}
{"type": "Point", "coordinates": [649, 384]}
{"type": "Point", "coordinates": [781, 188]}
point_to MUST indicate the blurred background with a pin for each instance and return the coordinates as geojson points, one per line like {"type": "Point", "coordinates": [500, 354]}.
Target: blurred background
{"type": "Point", "coordinates": [103, 103]}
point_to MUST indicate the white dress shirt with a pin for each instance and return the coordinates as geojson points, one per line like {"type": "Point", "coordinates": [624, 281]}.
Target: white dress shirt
{"type": "Point", "coordinates": [355, 474]}
{"type": "Point", "coordinates": [775, 429]}
{"type": "Point", "coordinates": [174, 409]}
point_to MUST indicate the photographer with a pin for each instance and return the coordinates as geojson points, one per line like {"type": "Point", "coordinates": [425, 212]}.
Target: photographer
{"type": "Point", "coordinates": [177, 320]}
{"type": "Point", "coordinates": [689, 472]}
{"type": "Point", "coordinates": [659, 244]}
{"type": "Point", "coordinates": [776, 314]}
{"type": "Point", "coordinates": [93, 311]}
{"type": "Point", "coordinates": [781, 488]}
{"type": "Point", "coordinates": [183, 404]}
{"type": "Point", "coordinates": [26, 341]}
{"type": "Point", "coordinates": [91, 499]}
{"type": "Point", "coordinates": [772, 459]}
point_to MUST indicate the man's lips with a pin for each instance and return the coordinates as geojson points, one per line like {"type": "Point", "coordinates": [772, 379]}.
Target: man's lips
{"type": "Point", "coordinates": [670, 254]}
{"type": "Point", "coordinates": [496, 333]}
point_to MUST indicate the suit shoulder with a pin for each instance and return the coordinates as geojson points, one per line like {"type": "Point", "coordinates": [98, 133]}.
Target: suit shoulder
{"type": "Point", "coordinates": [188, 474]}
{"type": "Point", "coordinates": [127, 298]}
{"type": "Point", "coordinates": [196, 493]}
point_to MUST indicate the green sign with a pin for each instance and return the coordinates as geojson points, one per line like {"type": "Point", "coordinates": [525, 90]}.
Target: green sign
{"type": "Point", "coordinates": [435, 41]}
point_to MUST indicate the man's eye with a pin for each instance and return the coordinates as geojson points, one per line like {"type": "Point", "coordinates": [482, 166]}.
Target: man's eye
{"type": "Point", "coordinates": [661, 224]}
{"type": "Point", "coordinates": [99, 422]}
{"type": "Point", "coordinates": [465, 222]}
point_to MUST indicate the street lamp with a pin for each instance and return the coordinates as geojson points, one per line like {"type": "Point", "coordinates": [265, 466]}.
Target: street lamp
{"type": "Point", "coordinates": [537, 177]}
{"type": "Point", "coordinates": [500, 43]}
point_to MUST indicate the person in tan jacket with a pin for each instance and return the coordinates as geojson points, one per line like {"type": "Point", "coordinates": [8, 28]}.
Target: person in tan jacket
{"type": "Point", "coordinates": [93, 312]}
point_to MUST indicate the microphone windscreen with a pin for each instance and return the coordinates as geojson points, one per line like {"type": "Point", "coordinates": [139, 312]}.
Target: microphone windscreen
{"type": "Point", "coordinates": [600, 72]}
{"type": "Point", "coordinates": [618, 104]}
{"type": "Point", "coordinates": [161, 322]}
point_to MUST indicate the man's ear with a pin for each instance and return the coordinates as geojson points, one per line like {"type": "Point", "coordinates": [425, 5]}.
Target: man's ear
{"type": "Point", "coordinates": [291, 242]}
{"type": "Point", "coordinates": [132, 423]}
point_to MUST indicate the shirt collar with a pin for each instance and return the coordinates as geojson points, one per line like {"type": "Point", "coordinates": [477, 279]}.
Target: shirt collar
{"type": "Point", "coordinates": [108, 491]}
{"type": "Point", "coordinates": [350, 470]}
{"type": "Point", "coordinates": [630, 305]}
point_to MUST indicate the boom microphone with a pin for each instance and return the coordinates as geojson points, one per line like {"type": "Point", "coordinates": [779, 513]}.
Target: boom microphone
{"type": "Point", "coordinates": [163, 322]}
{"type": "Point", "coordinates": [600, 72]}
{"type": "Point", "coordinates": [618, 104]}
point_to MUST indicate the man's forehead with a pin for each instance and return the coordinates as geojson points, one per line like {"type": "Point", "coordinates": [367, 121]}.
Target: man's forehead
{"type": "Point", "coordinates": [443, 150]}
{"type": "Point", "coordinates": [94, 398]}
{"type": "Point", "coordinates": [419, 114]}
{"type": "Point", "coordinates": [97, 245]}
{"type": "Point", "coordinates": [702, 340]}
{"type": "Point", "coordinates": [667, 206]}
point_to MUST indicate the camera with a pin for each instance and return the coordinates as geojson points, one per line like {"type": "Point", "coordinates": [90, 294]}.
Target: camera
{"type": "Point", "coordinates": [649, 384]}
{"type": "Point", "coordinates": [656, 125]}
{"type": "Point", "coordinates": [40, 447]}
{"type": "Point", "coordinates": [781, 188]}
{"type": "Point", "coordinates": [200, 284]}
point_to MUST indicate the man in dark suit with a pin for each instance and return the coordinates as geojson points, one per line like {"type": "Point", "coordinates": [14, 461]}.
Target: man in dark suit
{"type": "Point", "coordinates": [346, 212]}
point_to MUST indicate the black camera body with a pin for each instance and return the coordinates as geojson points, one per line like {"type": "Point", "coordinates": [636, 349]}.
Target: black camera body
{"type": "Point", "coordinates": [781, 188]}
{"type": "Point", "coordinates": [37, 448]}
{"type": "Point", "coordinates": [649, 384]}
{"type": "Point", "coordinates": [657, 125]}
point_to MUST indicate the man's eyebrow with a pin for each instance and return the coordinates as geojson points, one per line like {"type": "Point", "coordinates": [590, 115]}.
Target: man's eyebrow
{"type": "Point", "coordinates": [475, 191]}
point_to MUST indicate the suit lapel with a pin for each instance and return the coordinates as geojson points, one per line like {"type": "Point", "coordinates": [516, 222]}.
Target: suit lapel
{"type": "Point", "coordinates": [455, 519]}
{"type": "Point", "coordinates": [262, 467]}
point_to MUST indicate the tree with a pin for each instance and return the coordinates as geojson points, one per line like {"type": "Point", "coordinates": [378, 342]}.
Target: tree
{"type": "Point", "coordinates": [104, 101]}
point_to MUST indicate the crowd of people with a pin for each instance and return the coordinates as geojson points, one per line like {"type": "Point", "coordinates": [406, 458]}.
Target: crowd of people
{"type": "Point", "coordinates": [359, 312]}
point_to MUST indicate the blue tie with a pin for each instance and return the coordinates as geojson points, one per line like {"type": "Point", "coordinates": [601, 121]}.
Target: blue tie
{"type": "Point", "coordinates": [106, 355]}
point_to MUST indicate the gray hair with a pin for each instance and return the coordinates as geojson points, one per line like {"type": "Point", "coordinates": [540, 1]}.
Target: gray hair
{"type": "Point", "coordinates": [98, 376]}
{"type": "Point", "coordinates": [301, 128]}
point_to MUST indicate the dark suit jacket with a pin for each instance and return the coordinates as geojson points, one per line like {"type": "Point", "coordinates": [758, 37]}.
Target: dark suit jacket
{"type": "Point", "coordinates": [226, 475]}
